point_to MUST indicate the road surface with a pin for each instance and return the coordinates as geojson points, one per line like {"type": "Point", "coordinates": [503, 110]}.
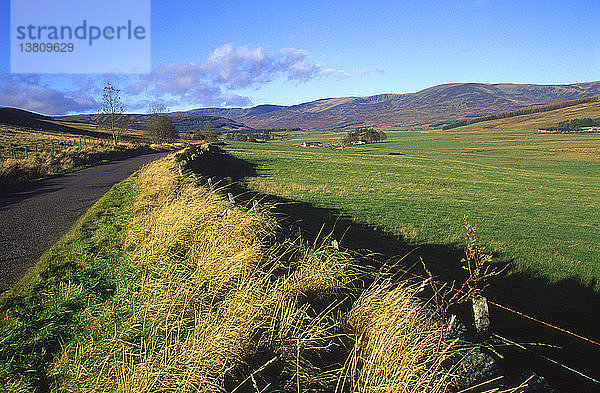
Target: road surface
{"type": "Point", "coordinates": [35, 216]}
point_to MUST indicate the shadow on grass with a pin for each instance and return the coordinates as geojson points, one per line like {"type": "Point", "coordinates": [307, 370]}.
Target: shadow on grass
{"type": "Point", "coordinates": [567, 303]}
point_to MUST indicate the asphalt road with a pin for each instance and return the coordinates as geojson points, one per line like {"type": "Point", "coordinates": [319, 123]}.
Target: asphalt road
{"type": "Point", "coordinates": [35, 216]}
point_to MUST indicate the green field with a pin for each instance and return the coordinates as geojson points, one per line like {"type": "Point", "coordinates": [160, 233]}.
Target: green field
{"type": "Point", "coordinates": [535, 198]}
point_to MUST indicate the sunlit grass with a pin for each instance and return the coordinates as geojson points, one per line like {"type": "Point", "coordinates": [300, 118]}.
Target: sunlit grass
{"type": "Point", "coordinates": [163, 286]}
{"type": "Point", "coordinates": [535, 197]}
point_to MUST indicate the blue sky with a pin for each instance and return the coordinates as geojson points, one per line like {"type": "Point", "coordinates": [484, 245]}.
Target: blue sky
{"type": "Point", "coordinates": [241, 53]}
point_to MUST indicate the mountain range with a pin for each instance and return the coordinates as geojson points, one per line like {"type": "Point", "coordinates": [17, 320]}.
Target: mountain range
{"type": "Point", "coordinates": [429, 106]}
{"type": "Point", "coordinates": [437, 104]}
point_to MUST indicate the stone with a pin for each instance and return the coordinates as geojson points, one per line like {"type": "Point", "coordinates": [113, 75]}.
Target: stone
{"type": "Point", "coordinates": [533, 383]}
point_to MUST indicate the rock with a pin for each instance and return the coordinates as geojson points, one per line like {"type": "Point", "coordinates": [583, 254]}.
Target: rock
{"type": "Point", "coordinates": [482, 366]}
{"type": "Point", "coordinates": [482, 316]}
{"type": "Point", "coordinates": [533, 383]}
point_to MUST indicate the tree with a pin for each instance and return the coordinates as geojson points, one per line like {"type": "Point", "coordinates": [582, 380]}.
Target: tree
{"type": "Point", "coordinates": [157, 108]}
{"type": "Point", "coordinates": [113, 107]}
{"type": "Point", "coordinates": [160, 128]}
{"type": "Point", "coordinates": [209, 134]}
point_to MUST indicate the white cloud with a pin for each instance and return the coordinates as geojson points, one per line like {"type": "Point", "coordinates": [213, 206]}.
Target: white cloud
{"type": "Point", "coordinates": [229, 68]}
{"type": "Point", "coordinates": [368, 71]}
{"type": "Point", "coordinates": [213, 82]}
{"type": "Point", "coordinates": [27, 92]}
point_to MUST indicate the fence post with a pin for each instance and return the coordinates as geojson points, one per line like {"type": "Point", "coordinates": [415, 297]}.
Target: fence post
{"type": "Point", "coordinates": [481, 315]}
{"type": "Point", "coordinates": [26, 153]}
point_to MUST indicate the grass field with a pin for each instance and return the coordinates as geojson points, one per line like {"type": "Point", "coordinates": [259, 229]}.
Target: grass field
{"type": "Point", "coordinates": [156, 290]}
{"type": "Point", "coordinates": [534, 197]}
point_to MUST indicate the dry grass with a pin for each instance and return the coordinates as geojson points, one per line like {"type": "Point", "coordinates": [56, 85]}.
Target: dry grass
{"type": "Point", "coordinates": [211, 298]}
{"type": "Point", "coordinates": [207, 295]}
{"type": "Point", "coordinates": [534, 121]}
{"type": "Point", "coordinates": [19, 170]}
{"type": "Point", "coordinates": [396, 346]}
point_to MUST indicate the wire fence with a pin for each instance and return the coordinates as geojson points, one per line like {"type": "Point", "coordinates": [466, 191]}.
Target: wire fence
{"type": "Point", "coordinates": [516, 312]}
{"type": "Point", "coordinates": [34, 149]}
{"type": "Point", "coordinates": [557, 363]}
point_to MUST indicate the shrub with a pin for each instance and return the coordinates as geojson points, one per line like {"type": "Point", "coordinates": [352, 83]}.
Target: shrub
{"type": "Point", "coordinates": [160, 129]}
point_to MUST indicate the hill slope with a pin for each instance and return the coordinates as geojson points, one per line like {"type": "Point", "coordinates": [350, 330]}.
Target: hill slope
{"type": "Point", "coordinates": [87, 124]}
{"type": "Point", "coordinates": [184, 121]}
{"type": "Point", "coordinates": [22, 118]}
{"type": "Point", "coordinates": [535, 121]}
{"type": "Point", "coordinates": [434, 104]}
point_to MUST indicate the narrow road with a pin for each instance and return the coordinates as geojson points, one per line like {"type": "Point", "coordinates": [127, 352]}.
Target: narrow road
{"type": "Point", "coordinates": [35, 216]}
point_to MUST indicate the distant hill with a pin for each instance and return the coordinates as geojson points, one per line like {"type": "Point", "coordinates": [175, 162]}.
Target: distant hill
{"type": "Point", "coordinates": [442, 103]}
{"type": "Point", "coordinates": [184, 121]}
{"type": "Point", "coordinates": [435, 104]}
{"type": "Point", "coordinates": [23, 118]}
{"type": "Point", "coordinates": [87, 124]}
{"type": "Point", "coordinates": [535, 121]}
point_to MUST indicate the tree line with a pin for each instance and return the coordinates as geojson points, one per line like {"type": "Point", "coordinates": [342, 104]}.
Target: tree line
{"type": "Point", "coordinates": [574, 124]}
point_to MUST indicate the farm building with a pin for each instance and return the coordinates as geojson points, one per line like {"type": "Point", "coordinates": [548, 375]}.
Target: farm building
{"type": "Point", "coordinates": [312, 144]}
{"type": "Point", "coordinates": [566, 130]}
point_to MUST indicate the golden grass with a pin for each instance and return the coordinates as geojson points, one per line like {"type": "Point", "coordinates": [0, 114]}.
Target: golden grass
{"type": "Point", "coordinates": [211, 297]}
{"type": "Point", "coordinates": [43, 164]}
{"type": "Point", "coordinates": [396, 345]}
{"type": "Point", "coordinates": [534, 121]}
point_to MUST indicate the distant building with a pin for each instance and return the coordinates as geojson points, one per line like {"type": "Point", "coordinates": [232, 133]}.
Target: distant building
{"type": "Point", "coordinates": [312, 144]}
{"type": "Point", "coordinates": [553, 130]}
{"type": "Point", "coordinates": [566, 130]}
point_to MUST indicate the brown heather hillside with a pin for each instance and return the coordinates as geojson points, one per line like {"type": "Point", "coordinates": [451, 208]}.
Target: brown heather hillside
{"type": "Point", "coordinates": [535, 121]}
{"type": "Point", "coordinates": [436, 104]}
{"type": "Point", "coordinates": [432, 105]}
{"type": "Point", "coordinates": [92, 124]}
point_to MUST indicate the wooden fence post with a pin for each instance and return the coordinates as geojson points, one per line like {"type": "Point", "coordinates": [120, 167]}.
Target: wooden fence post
{"type": "Point", "coordinates": [26, 153]}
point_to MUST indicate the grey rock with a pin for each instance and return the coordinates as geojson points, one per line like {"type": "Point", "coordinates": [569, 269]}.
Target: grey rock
{"type": "Point", "coordinates": [533, 383]}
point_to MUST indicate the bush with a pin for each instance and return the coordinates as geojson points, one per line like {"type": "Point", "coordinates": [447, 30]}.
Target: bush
{"type": "Point", "coordinates": [161, 129]}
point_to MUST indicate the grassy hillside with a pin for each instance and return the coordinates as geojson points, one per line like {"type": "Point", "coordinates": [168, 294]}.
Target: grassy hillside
{"type": "Point", "coordinates": [535, 121]}
{"type": "Point", "coordinates": [34, 146]}
{"type": "Point", "coordinates": [429, 106]}
{"type": "Point", "coordinates": [164, 286]}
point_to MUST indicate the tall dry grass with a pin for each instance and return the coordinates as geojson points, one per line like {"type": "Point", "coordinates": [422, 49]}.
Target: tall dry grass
{"type": "Point", "coordinates": [214, 298]}
{"type": "Point", "coordinates": [396, 346]}
{"type": "Point", "coordinates": [43, 164]}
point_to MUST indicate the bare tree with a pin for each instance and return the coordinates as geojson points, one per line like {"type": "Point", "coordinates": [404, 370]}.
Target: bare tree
{"type": "Point", "coordinates": [156, 108]}
{"type": "Point", "coordinates": [113, 107]}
